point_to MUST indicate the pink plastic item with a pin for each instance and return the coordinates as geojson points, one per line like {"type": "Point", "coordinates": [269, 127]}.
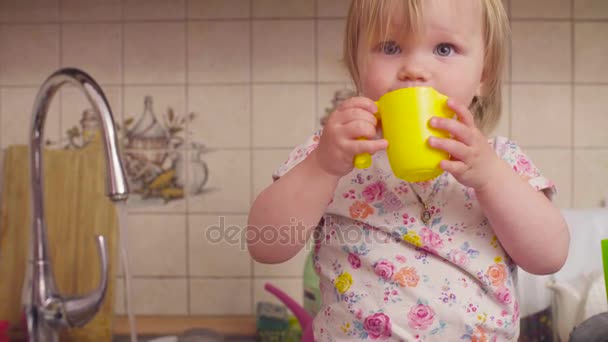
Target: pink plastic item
{"type": "Point", "coordinates": [4, 325]}
{"type": "Point", "coordinates": [298, 311]}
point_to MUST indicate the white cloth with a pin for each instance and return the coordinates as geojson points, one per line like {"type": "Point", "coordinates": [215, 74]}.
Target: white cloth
{"type": "Point", "coordinates": [588, 227]}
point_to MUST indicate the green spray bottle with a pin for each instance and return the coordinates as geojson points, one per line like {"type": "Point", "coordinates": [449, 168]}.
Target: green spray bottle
{"type": "Point", "coordinates": [312, 293]}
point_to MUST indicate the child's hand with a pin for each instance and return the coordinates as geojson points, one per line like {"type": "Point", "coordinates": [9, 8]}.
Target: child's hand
{"type": "Point", "coordinates": [472, 159]}
{"type": "Point", "coordinates": [338, 145]}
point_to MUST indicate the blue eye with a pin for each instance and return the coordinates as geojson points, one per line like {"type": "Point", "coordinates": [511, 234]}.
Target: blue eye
{"type": "Point", "coordinates": [444, 49]}
{"type": "Point", "coordinates": [390, 48]}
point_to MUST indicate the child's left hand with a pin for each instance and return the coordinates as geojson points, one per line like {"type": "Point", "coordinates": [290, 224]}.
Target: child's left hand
{"type": "Point", "coordinates": [473, 160]}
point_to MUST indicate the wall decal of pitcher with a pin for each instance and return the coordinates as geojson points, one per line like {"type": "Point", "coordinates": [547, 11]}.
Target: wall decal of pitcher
{"type": "Point", "coordinates": [160, 164]}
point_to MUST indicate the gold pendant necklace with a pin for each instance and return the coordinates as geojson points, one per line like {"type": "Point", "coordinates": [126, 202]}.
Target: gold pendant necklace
{"type": "Point", "coordinates": [425, 216]}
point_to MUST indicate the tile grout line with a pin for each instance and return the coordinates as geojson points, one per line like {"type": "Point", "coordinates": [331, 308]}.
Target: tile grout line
{"type": "Point", "coordinates": [316, 114]}
{"type": "Point", "coordinates": [178, 20]}
{"type": "Point", "coordinates": [186, 159]}
{"type": "Point", "coordinates": [287, 18]}
{"type": "Point", "coordinates": [251, 276]}
{"type": "Point", "coordinates": [209, 85]}
{"type": "Point", "coordinates": [61, 65]}
{"type": "Point", "coordinates": [572, 104]}
{"type": "Point", "coordinates": [510, 98]}
{"type": "Point", "coordinates": [123, 134]}
{"type": "Point", "coordinates": [122, 76]}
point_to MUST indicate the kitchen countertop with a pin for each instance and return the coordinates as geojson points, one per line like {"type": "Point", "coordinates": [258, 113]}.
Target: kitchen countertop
{"type": "Point", "coordinates": [244, 325]}
{"type": "Point", "coordinates": [231, 328]}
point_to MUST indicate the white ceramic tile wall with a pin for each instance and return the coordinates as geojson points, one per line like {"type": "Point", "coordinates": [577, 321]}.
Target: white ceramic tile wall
{"type": "Point", "coordinates": [332, 9]}
{"type": "Point", "coordinates": [217, 246]}
{"type": "Point", "coordinates": [331, 67]}
{"type": "Point", "coordinates": [91, 10]}
{"type": "Point", "coordinates": [546, 108]}
{"type": "Point", "coordinates": [155, 52]}
{"type": "Point", "coordinates": [28, 64]}
{"type": "Point", "coordinates": [229, 186]}
{"type": "Point", "coordinates": [223, 115]}
{"type": "Point", "coordinates": [282, 108]}
{"type": "Point", "coordinates": [221, 296]}
{"type": "Point", "coordinates": [38, 11]}
{"type": "Point", "coordinates": [157, 245]}
{"type": "Point", "coordinates": [590, 115]}
{"type": "Point", "coordinates": [283, 50]}
{"type": "Point", "coordinates": [15, 112]}
{"type": "Point", "coordinates": [214, 59]}
{"type": "Point", "coordinates": [503, 127]}
{"type": "Point", "coordinates": [264, 164]}
{"type": "Point", "coordinates": [590, 9]}
{"type": "Point", "coordinates": [557, 9]}
{"type": "Point", "coordinates": [154, 296]}
{"type": "Point", "coordinates": [154, 9]}
{"type": "Point", "coordinates": [542, 51]}
{"type": "Point", "coordinates": [95, 48]}
{"type": "Point", "coordinates": [218, 9]}
{"type": "Point", "coordinates": [283, 8]}
{"type": "Point", "coordinates": [590, 65]}
{"type": "Point", "coordinates": [251, 70]}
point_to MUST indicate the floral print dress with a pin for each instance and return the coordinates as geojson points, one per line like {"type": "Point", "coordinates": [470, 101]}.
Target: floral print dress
{"type": "Point", "coordinates": [385, 275]}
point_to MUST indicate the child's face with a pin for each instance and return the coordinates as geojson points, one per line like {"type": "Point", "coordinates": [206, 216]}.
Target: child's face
{"type": "Point", "coordinates": [447, 53]}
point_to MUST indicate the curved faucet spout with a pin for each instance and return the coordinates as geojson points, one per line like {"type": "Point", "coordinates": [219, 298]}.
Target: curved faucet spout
{"type": "Point", "coordinates": [45, 309]}
{"type": "Point", "coordinates": [80, 310]}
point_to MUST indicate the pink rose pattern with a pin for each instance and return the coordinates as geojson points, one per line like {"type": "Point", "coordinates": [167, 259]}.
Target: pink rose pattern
{"type": "Point", "coordinates": [392, 202]}
{"type": "Point", "coordinates": [421, 317]}
{"type": "Point", "coordinates": [378, 326]}
{"type": "Point", "coordinates": [354, 260]}
{"type": "Point", "coordinates": [503, 294]}
{"type": "Point", "coordinates": [374, 192]}
{"type": "Point", "coordinates": [384, 269]}
{"type": "Point", "coordinates": [432, 241]}
{"type": "Point", "coordinates": [451, 258]}
{"type": "Point", "coordinates": [524, 166]}
{"type": "Point", "coordinates": [459, 257]}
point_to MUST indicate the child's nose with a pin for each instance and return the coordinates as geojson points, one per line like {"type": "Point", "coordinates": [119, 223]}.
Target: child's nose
{"type": "Point", "coordinates": [412, 72]}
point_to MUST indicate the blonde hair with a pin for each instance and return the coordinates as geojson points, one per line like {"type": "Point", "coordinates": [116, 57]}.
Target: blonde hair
{"type": "Point", "coordinates": [365, 18]}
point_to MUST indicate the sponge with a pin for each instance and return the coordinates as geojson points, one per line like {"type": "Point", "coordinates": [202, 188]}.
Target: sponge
{"type": "Point", "coordinates": [274, 324]}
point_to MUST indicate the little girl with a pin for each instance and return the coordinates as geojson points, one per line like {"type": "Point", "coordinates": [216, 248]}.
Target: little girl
{"type": "Point", "coordinates": [427, 261]}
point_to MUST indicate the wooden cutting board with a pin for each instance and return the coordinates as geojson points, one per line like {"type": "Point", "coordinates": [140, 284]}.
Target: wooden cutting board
{"type": "Point", "coordinates": [76, 209]}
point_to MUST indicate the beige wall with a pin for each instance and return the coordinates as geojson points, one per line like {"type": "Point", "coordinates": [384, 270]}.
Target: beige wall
{"type": "Point", "coordinates": [259, 74]}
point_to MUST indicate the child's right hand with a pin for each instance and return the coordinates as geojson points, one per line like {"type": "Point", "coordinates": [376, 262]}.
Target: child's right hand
{"type": "Point", "coordinates": [338, 145]}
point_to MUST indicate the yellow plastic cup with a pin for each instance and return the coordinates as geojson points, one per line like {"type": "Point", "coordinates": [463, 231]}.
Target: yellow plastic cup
{"type": "Point", "coordinates": [404, 115]}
